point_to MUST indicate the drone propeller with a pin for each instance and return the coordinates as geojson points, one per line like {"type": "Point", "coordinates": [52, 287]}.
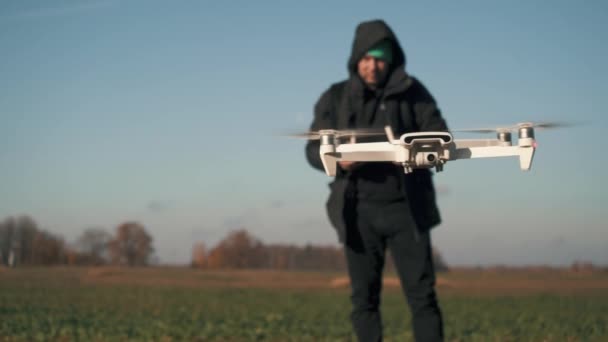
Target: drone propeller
{"type": "Point", "coordinates": [503, 129]}
{"type": "Point", "coordinates": [316, 135]}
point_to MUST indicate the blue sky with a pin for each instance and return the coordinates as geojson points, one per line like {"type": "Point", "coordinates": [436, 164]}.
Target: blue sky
{"type": "Point", "coordinates": [168, 113]}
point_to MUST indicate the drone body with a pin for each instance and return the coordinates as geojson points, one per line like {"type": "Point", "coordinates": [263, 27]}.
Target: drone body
{"type": "Point", "coordinates": [425, 149]}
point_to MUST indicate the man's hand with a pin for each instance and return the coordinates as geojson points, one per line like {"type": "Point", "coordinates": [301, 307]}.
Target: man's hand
{"type": "Point", "coordinates": [347, 165]}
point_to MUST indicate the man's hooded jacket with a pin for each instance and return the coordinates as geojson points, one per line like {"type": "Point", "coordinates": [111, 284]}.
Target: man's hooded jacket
{"type": "Point", "coordinates": [403, 103]}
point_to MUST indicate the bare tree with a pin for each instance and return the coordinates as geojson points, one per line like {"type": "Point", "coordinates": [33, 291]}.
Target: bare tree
{"type": "Point", "coordinates": [27, 229]}
{"type": "Point", "coordinates": [93, 245]}
{"type": "Point", "coordinates": [8, 228]}
{"type": "Point", "coordinates": [47, 249]}
{"type": "Point", "coordinates": [22, 242]}
{"type": "Point", "coordinates": [16, 239]}
{"type": "Point", "coordinates": [131, 245]}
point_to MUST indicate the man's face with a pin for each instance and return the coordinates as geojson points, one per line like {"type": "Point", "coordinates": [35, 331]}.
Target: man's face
{"type": "Point", "coordinates": [373, 71]}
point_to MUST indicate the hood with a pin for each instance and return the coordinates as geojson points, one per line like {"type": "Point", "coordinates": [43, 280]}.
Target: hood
{"type": "Point", "coordinates": [368, 34]}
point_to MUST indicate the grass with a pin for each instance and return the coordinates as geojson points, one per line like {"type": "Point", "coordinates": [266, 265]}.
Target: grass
{"type": "Point", "coordinates": [172, 304]}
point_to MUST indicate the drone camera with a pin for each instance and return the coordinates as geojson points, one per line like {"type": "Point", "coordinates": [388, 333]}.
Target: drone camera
{"type": "Point", "coordinates": [427, 159]}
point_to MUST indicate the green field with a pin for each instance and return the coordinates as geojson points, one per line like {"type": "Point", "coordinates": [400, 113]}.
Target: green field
{"type": "Point", "coordinates": [165, 304]}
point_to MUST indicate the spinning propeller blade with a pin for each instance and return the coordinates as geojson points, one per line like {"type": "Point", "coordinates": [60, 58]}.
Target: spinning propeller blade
{"type": "Point", "coordinates": [476, 130]}
{"type": "Point", "coordinates": [501, 129]}
{"type": "Point", "coordinates": [545, 125]}
{"type": "Point", "coordinates": [316, 135]}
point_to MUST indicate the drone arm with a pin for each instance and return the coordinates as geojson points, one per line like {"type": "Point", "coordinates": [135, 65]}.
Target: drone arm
{"type": "Point", "coordinates": [483, 152]}
{"type": "Point", "coordinates": [465, 143]}
{"type": "Point", "coordinates": [368, 152]}
{"type": "Point", "coordinates": [329, 159]}
{"type": "Point", "coordinates": [525, 154]}
{"type": "Point", "coordinates": [372, 152]}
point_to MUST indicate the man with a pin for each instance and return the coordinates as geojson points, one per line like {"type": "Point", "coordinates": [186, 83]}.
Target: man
{"type": "Point", "coordinates": [375, 206]}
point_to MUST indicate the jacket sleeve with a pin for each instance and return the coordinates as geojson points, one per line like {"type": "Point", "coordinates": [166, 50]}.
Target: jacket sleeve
{"type": "Point", "coordinates": [427, 114]}
{"type": "Point", "coordinates": [322, 120]}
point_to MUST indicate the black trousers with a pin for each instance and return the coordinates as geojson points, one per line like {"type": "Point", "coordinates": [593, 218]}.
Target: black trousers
{"type": "Point", "coordinates": [376, 226]}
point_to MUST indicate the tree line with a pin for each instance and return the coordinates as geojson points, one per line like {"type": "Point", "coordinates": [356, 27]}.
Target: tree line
{"type": "Point", "coordinates": [241, 250]}
{"type": "Point", "coordinates": [23, 242]}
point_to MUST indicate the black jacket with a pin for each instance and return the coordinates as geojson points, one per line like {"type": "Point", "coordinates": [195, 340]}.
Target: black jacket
{"type": "Point", "coordinates": [406, 105]}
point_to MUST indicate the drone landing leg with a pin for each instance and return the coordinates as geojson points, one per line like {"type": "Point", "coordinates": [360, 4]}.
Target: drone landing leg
{"type": "Point", "coordinates": [525, 158]}
{"type": "Point", "coordinates": [330, 162]}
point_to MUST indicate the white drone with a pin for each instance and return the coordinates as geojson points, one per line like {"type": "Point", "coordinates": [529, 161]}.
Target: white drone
{"type": "Point", "coordinates": [426, 149]}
